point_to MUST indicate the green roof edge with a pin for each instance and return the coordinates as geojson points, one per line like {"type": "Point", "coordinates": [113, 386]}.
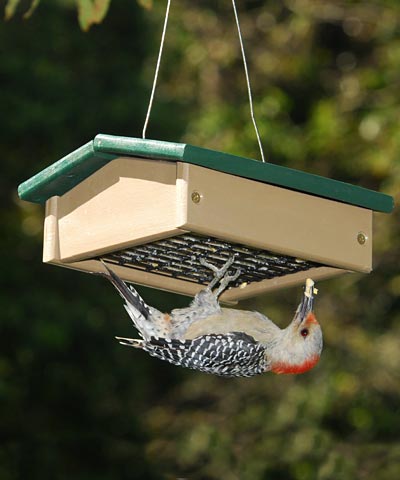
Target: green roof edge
{"type": "Point", "coordinates": [63, 175]}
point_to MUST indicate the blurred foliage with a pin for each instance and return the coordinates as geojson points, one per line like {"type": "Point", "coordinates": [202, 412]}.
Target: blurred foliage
{"type": "Point", "coordinates": [91, 12]}
{"type": "Point", "coordinates": [74, 404]}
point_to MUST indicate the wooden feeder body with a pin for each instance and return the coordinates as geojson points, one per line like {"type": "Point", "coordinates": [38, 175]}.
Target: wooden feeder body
{"type": "Point", "coordinates": [154, 208]}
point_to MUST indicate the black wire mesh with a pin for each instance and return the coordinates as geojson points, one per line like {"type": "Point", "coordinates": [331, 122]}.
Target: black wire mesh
{"type": "Point", "coordinates": [178, 257]}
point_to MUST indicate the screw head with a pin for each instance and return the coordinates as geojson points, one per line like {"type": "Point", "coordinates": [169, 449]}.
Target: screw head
{"type": "Point", "coordinates": [361, 238]}
{"type": "Point", "coordinates": [196, 197]}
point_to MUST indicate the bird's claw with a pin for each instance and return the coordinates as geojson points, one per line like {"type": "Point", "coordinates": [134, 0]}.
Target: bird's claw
{"type": "Point", "coordinates": [221, 275]}
{"type": "Point", "coordinates": [231, 278]}
{"type": "Point", "coordinates": [218, 272]}
{"type": "Point", "coordinates": [226, 281]}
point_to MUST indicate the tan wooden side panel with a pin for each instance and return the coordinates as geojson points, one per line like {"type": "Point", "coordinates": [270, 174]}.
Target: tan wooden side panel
{"type": "Point", "coordinates": [277, 283]}
{"type": "Point", "coordinates": [137, 276]}
{"type": "Point", "coordinates": [127, 202]}
{"type": "Point", "coordinates": [277, 219]}
{"type": "Point", "coordinates": [182, 287]}
{"type": "Point", "coordinates": [51, 247]}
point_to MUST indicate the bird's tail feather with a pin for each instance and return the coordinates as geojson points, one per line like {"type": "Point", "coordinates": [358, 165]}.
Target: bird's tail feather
{"type": "Point", "coordinates": [148, 320]}
{"type": "Point", "coordinates": [129, 294]}
{"type": "Point", "coordinates": [131, 342]}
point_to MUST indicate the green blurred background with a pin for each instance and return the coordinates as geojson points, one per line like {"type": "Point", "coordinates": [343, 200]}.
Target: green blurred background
{"type": "Point", "coordinates": [73, 403]}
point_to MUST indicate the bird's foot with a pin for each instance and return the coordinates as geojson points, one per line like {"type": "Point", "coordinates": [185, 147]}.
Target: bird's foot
{"type": "Point", "coordinates": [227, 279]}
{"type": "Point", "coordinates": [218, 272]}
{"type": "Point", "coordinates": [220, 275]}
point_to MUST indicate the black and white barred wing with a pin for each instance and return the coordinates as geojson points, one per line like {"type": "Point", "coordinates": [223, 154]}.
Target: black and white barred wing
{"type": "Point", "coordinates": [233, 354]}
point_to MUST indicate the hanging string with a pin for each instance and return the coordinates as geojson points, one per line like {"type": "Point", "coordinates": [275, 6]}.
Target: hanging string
{"type": "Point", "coordinates": [153, 90]}
{"type": "Point", "coordinates": [248, 82]}
{"type": "Point", "coordinates": [146, 122]}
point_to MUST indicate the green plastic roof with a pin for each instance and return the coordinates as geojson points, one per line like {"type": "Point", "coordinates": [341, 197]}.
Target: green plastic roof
{"type": "Point", "coordinates": [63, 175]}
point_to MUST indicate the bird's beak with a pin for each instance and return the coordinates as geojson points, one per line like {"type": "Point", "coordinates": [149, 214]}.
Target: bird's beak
{"type": "Point", "coordinates": [307, 301]}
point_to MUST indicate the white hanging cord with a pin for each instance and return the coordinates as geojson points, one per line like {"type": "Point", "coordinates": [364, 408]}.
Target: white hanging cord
{"type": "Point", "coordinates": [146, 122]}
{"type": "Point", "coordinates": [248, 81]}
{"type": "Point", "coordinates": [153, 90]}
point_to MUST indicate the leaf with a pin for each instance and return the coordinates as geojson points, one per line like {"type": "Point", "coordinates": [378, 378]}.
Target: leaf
{"type": "Point", "coordinates": [11, 6]}
{"type": "Point", "coordinates": [91, 12]}
{"type": "Point", "coordinates": [31, 9]}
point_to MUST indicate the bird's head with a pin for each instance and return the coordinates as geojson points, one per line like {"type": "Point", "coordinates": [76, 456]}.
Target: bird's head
{"type": "Point", "coordinates": [300, 346]}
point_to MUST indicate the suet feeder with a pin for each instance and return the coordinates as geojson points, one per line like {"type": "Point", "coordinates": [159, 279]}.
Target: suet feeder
{"type": "Point", "coordinates": [154, 208]}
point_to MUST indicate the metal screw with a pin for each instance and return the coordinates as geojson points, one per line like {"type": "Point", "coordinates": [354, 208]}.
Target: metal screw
{"type": "Point", "coordinates": [361, 238]}
{"type": "Point", "coordinates": [196, 197]}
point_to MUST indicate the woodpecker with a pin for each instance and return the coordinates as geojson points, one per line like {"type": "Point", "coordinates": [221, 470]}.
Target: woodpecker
{"type": "Point", "coordinates": [223, 341]}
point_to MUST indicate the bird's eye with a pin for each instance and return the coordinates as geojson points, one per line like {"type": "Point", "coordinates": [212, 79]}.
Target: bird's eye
{"type": "Point", "coordinates": [304, 332]}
